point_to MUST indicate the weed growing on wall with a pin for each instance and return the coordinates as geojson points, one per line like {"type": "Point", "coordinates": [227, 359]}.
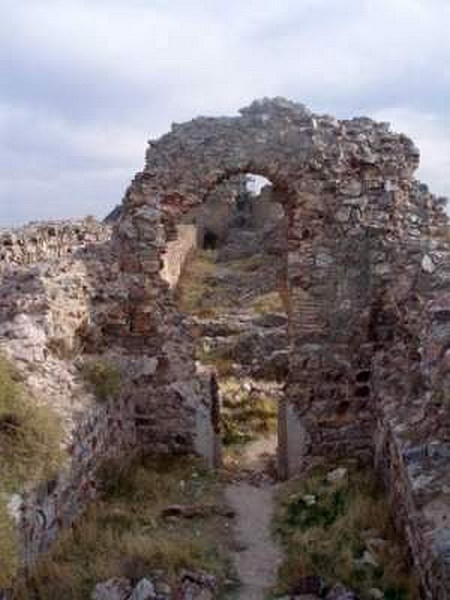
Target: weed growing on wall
{"type": "Point", "coordinates": [104, 379]}
{"type": "Point", "coordinates": [30, 450]}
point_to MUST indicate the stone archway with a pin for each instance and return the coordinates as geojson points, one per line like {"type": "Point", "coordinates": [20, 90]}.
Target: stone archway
{"type": "Point", "coordinates": [338, 179]}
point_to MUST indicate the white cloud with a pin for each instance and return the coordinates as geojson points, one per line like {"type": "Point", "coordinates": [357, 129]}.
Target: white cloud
{"type": "Point", "coordinates": [41, 132]}
{"type": "Point", "coordinates": [83, 84]}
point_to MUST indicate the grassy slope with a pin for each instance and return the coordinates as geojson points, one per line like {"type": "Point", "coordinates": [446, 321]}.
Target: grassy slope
{"type": "Point", "coordinates": [124, 534]}
{"type": "Point", "coordinates": [336, 529]}
{"type": "Point", "coordinates": [202, 293]}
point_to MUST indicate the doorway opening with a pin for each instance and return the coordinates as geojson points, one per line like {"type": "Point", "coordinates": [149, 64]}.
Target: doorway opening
{"type": "Point", "coordinates": [233, 287]}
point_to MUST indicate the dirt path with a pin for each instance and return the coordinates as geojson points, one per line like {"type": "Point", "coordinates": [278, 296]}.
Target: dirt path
{"type": "Point", "coordinates": [257, 556]}
{"type": "Point", "coordinates": [233, 297]}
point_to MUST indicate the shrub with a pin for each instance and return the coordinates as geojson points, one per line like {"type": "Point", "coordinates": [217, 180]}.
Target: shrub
{"type": "Point", "coordinates": [104, 378]}
{"type": "Point", "coordinates": [245, 414]}
{"type": "Point", "coordinates": [30, 435]}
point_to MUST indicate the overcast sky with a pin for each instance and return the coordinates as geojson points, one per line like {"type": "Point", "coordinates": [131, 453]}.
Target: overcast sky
{"type": "Point", "coordinates": [85, 84]}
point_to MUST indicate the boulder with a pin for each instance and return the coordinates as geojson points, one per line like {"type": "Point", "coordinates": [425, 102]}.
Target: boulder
{"type": "Point", "coordinates": [340, 592]}
{"type": "Point", "coordinates": [145, 590]}
{"type": "Point", "coordinates": [196, 586]}
{"type": "Point", "coordinates": [117, 588]}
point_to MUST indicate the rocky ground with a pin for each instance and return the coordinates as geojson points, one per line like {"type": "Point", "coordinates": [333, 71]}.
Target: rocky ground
{"type": "Point", "coordinates": [234, 298]}
{"type": "Point", "coordinates": [328, 536]}
{"type": "Point", "coordinates": [169, 529]}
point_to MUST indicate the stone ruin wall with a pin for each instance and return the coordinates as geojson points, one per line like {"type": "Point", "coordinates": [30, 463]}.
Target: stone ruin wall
{"type": "Point", "coordinates": [361, 277]}
{"type": "Point", "coordinates": [266, 208]}
{"type": "Point", "coordinates": [60, 293]}
{"type": "Point", "coordinates": [46, 294]}
{"type": "Point", "coordinates": [218, 211]}
{"type": "Point", "coordinates": [177, 253]}
{"type": "Point", "coordinates": [368, 316]}
{"type": "Point", "coordinates": [43, 241]}
{"type": "Point", "coordinates": [412, 439]}
{"type": "Point", "coordinates": [412, 423]}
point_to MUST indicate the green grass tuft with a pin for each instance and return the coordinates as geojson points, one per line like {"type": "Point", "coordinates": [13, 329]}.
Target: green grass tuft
{"type": "Point", "coordinates": [104, 378]}
{"type": "Point", "coordinates": [328, 528]}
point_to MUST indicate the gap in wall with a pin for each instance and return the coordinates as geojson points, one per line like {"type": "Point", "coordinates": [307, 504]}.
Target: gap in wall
{"type": "Point", "coordinates": [233, 287]}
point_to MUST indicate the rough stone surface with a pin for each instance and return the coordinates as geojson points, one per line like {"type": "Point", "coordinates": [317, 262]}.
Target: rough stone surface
{"type": "Point", "coordinates": [117, 588]}
{"type": "Point", "coordinates": [365, 324]}
{"type": "Point", "coordinates": [42, 241]}
{"type": "Point", "coordinates": [340, 592]}
{"type": "Point", "coordinates": [368, 286]}
{"type": "Point", "coordinates": [144, 590]}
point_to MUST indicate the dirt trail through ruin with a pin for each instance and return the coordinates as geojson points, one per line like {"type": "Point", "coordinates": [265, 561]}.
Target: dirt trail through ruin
{"type": "Point", "coordinates": [257, 554]}
{"type": "Point", "coordinates": [232, 295]}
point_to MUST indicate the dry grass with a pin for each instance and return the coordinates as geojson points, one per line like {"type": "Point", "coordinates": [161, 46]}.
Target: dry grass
{"type": "Point", "coordinates": [333, 534]}
{"type": "Point", "coordinates": [104, 379]}
{"type": "Point", "coordinates": [197, 288]}
{"type": "Point", "coordinates": [9, 548]}
{"type": "Point", "coordinates": [30, 450]}
{"type": "Point", "coordinates": [269, 303]}
{"type": "Point", "coordinates": [246, 415]}
{"type": "Point", "coordinates": [124, 534]}
{"type": "Point", "coordinates": [249, 264]}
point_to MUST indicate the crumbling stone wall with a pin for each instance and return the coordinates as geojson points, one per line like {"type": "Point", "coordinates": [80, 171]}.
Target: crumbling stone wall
{"type": "Point", "coordinates": [409, 370]}
{"type": "Point", "coordinates": [42, 241]}
{"type": "Point", "coordinates": [359, 235]}
{"type": "Point", "coordinates": [217, 213]}
{"type": "Point", "coordinates": [177, 252]}
{"type": "Point", "coordinates": [56, 314]}
{"type": "Point", "coordinates": [102, 432]}
{"type": "Point", "coordinates": [329, 173]}
{"type": "Point", "coordinates": [266, 208]}
{"type": "Point", "coordinates": [367, 287]}
{"type": "Point", "coordinates": [52, 280]}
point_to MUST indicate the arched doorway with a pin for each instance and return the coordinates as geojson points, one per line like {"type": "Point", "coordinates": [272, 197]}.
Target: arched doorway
{"type": "Point", "coordinates": [234, 295]}
{"type": "Point", "coordinates": [336, 187]}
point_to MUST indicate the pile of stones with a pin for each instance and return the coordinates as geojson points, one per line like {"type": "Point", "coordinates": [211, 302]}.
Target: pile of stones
{"type": "Point", "coordinates": [191, 586]}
